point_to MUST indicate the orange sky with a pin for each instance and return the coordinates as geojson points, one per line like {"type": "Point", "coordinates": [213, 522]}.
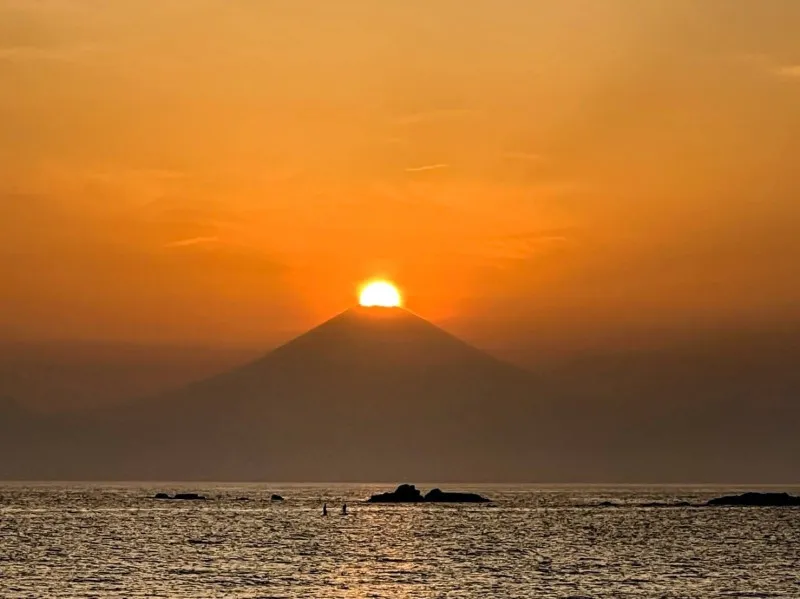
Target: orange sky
{"type": "Point", "coordinates": [229, 171]}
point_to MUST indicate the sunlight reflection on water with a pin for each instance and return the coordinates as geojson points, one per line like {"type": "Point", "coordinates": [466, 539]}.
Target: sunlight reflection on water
{"type": "Point", "coordinates": [115, 541]}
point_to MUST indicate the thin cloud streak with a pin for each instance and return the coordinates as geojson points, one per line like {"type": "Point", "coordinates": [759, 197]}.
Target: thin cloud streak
{"type": "Point", "coordinates": [525, 156]}
{"type": "Point", "coordinates": [427, 167]}
{"type": "Point", "coordinates": [182, 243]}
{"type": "Point", "coordinates": [788, 71]}
{"type": "Point", "coordinates": [434, 115]}
{"type": "Point", "coordinates": [32, 53]}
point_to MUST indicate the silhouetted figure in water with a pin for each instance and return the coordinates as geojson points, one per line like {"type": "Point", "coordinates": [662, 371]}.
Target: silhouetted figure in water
{"type": "Point", "coordinates": [325, 509]}
{"type": "Point", "coordinates": [344, 509]}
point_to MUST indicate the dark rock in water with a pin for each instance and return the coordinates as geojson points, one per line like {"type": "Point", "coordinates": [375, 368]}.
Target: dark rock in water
{"type": "Point", "coordinates": [757, 500]}
{"type": "Point", "coordinates": [607, 504]}
{"type": "Point", "coordinates": [277, 498]}
{"type": "Point", "coordinates": [403, 494]}
{"type": "Point", "coordinates": [439, 496]}
{"type": "Point", "coordinates": [189, 497]}
{"type": "Point", "coordinates": [242, 499]}
{"type": "Point", "coordinates": [410, 494]}
{"type": "Point", "coordinates": [183, 496]}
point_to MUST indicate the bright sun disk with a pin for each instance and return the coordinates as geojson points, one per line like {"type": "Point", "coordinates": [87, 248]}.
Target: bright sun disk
{"type": "Point", "coordinates": [379, 293]}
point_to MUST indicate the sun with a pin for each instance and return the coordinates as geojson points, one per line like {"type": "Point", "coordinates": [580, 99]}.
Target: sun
{"type": "Point", "coordinates": [379, 293]}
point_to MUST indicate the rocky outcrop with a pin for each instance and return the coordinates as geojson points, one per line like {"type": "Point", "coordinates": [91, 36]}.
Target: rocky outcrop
{"type": "Point", "coordinates": [403, 494]}
{"type": "Point", "coordinates": [439, 496]}
{"type": "Point", "coordinates": [181, 496]}
{"type": "Point", "coordinates": [190, 497]}
{"type": "Point", "coordinates": [410, 494]}
{"type": "Point", "coordinates": [744, 500]}
{"type": "Point", "coordinates": [757, 500]}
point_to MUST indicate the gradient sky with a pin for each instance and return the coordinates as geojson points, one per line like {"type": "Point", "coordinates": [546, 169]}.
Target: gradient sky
{"type": "Point", "coordinates": [192, 171]}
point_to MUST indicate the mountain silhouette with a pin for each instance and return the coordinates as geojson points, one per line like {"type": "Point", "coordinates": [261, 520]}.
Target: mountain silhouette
{"type": "Point", "coordinates": [379, 394]}
{"type": "Point", "coordinates": [371, 394]}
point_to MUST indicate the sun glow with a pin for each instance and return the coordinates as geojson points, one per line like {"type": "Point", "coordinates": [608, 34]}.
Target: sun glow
{"type": "Point", "coordinates": [381, 294]}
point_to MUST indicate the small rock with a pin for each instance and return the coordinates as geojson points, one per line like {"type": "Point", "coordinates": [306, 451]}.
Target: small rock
{"type": "Point", "coordinates": [439, 496]}
{"type": "Point", "coordinates": [189, 497]}
{"type": "Point", "coordinates": [757, 500]}
{"type": "Point", "coordinates": [277, 498]}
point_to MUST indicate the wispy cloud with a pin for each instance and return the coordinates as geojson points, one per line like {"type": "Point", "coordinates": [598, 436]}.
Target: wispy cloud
{"type": "Point", "coordinates": [771, 65]}
{"type": "Point", "coordinates": [182, 243]}
{"type": "Point", "coordinates": [523, 246]}
{"type": "Point", "coordinates": [427, 167]}
{"type": "Point", "coordinates": [46, 53]}
{"type": "Point", "coordinates": [523, 156]}
{"type": "Point", "coordinates": [434, 115]}
{"type": "Point", "coordinates": [788, 71]}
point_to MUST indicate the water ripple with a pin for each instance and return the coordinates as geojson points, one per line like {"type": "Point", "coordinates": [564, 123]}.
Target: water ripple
{"type": "Point", "coordinates": [80, 541]}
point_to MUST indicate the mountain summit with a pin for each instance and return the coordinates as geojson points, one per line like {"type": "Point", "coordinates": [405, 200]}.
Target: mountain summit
{"type": "Point", "coordinates": [393, 341]}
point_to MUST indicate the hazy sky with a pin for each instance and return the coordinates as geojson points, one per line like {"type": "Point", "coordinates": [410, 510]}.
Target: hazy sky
{"type": "Point", "coordinates": [225, 172]}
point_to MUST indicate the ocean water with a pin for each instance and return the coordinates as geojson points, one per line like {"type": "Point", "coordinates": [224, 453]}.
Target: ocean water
{"type": "Point", "coordinates": [103, 540]}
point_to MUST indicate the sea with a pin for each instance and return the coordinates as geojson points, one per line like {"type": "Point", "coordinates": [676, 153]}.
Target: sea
{"type": "Point", "coordinates": [115, 540]}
